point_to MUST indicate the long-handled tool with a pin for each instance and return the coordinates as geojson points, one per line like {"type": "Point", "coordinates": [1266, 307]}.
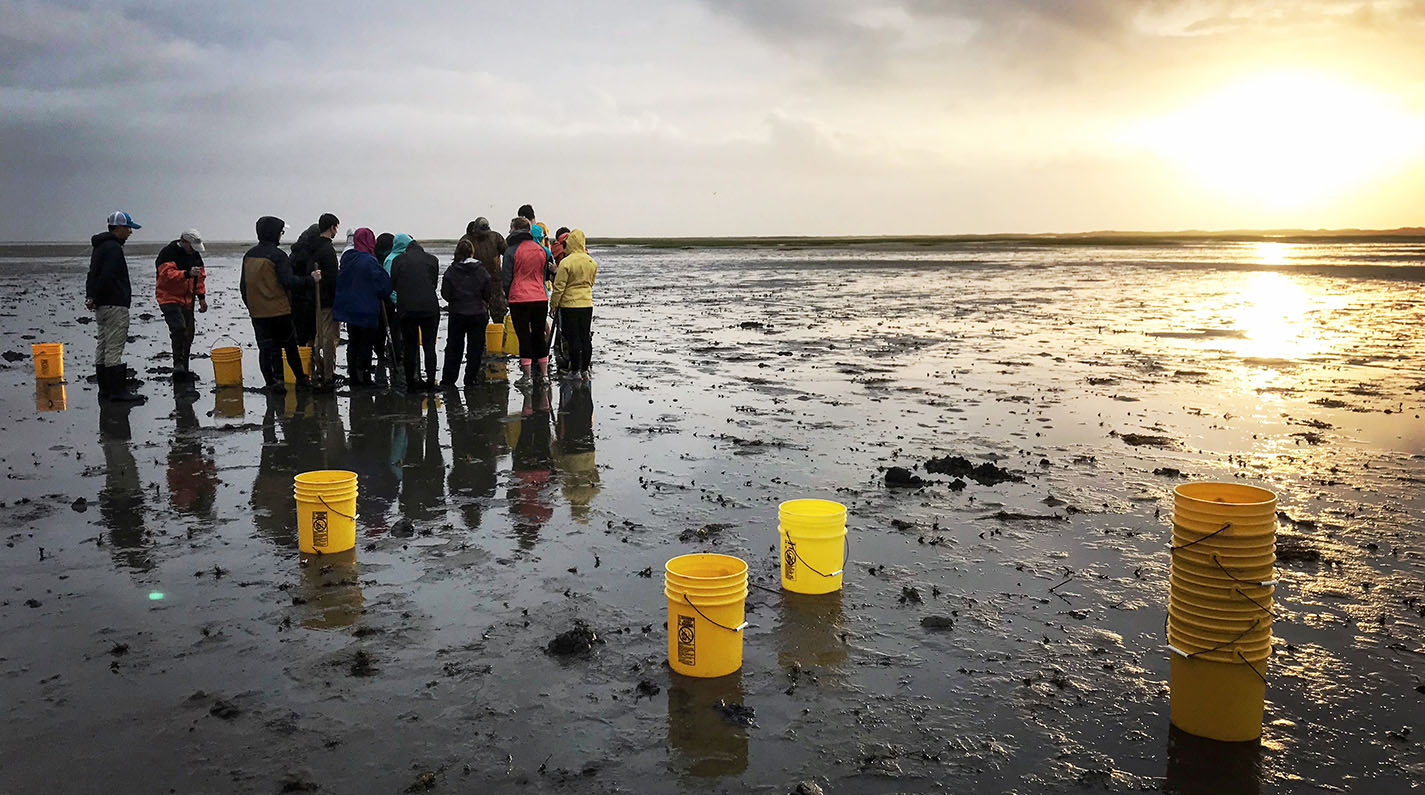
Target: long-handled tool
{"type": "Point", "coordinates": [398, 375]}
{"type": "Point", "coordinates": [319, 363]}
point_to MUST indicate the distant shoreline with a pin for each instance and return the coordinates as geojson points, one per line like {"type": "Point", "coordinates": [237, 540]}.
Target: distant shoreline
{"type": "Point", "coordinates": [1412, 234]}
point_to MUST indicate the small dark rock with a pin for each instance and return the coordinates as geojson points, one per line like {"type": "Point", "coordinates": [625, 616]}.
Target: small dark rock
{"type": "Point", "coordinates": [425, 782]}
{"type": "Point", "coordinates": [1168, 472]}
{"type": "Point", "coordinates": [403, 529]}
{"type": "Point", "coordinates": [648, 689]}
{"type": "Point", "coordinates": [13, 356]}
{"type": "Point", "coordinates": [80, 505]}
{"type": "Point", "coordinates": [298, 784]}
{"type": "Point", "coordinates": [119, 649]}
{"type": "Point", "coordinates": [32, 603]}
{"type": "Point", "coordinates": [938, 622]}
{"type": "Point", "coordinates": [910, 595]}
{"type": "Point", "coordinates": [807, 788]}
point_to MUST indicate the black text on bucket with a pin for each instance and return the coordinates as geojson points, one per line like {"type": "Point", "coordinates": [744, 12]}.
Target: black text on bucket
{"type": "Point", "coordinates": [687, 640]}
{"type": "Point", "coordinates": [319, 529]}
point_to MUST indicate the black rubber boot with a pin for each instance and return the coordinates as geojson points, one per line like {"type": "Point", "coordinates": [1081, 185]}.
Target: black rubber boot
{"type": "Point", "coordinates": [118, 389]}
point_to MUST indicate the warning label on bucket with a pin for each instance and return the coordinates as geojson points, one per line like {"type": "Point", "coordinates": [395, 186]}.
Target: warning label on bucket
{"type": "Point", "coordinates": [687, 640]}
{"type": "Point", "coordinates": [789, 567]}
{"type": "Point", "coordinates": [319, 528]}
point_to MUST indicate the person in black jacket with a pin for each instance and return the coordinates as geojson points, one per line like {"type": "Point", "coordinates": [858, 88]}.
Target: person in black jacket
{"type": "Point", "coordinates": [414, 274]}
{"type": "Point", "coordinates": [312, 307]}
{"type": "Point", "coordinates": [108, 294]}
{"type": "Point", "coordinates": [468, 290]}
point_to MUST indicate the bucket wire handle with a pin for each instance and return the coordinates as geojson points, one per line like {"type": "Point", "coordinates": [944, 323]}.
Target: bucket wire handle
{"type": "Point", "coordinates": [1219, 646]}
{"type": "Point", "coordinates": [222, 337]}
{"type": "Point", "coordinates": [1259, 605]}
{"type": "Point", "coordinates": [1259, 674]}
{"type": "Point", "coordinates": [1200, 540]}
{"type": "Point", "coordinates": [1262, 584]}
{"type": "Point", "coordinates": [845, 556]}
{"type": "Point", "coordinates": [333, 510]}
{"type": "Point", "coordinates": [737, 628]}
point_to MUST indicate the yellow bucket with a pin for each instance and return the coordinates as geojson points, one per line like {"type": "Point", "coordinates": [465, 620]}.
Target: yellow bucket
{"type": "Point", "coordinates": [1225, 502]}
{"type": "Point", "coordinates": [227, 402]}
{"type": "Point", "coordinates": [326, 511]}
{"type": "Point", "coordinates": [1231, 545]}
{"type": "Point", "coordinates": [512, 340]}
{"type": "Point", "coordinates": [50, 396]}
{"type": "Point", "coordinates": [1216, 700]}
{"type": "Point", "coordinates": [497, 370]}
{"type": "Point", "coordinates": [304, 353]}
{"type": "Point", "coordinates": [49, 360]}
{"type": "Point", "coordinates": [707, 597]}
{"type": "Point", "coordinates": [494, 339]}
{"type": "Point", "coordinates": [813, 538]}
{"type": "Point", "coordinates": [227, 366]}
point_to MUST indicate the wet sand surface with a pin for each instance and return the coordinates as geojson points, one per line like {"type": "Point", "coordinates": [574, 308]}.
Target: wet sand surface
{"type": "Point", "coordinates": [162, 633]}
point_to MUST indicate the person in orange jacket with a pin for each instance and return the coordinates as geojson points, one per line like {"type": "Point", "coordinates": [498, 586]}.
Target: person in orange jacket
{"type": "Point", "coordinates": [181, 279]}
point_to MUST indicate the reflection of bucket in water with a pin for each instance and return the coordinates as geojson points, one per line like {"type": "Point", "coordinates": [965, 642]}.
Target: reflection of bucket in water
{"type": "Point", "coordinates": [497, 370]}
{"type": "Point", "coordinates": [304, 353]}
{"type": "Point", "coordinates": [50, 396]}
{"type": "Point", "coordinates": [227, 366]}
{"type": "Point", "coordinates": [332, 590]}
{"type": "Point", "coordinates": [701, 742]}
{"type": "Point", "coordinates": [707, 597]}
{"type": "Point", "coordinates": [813, 545]}
{"type": "Point", "coordinates": [809, 630]}
{"type": "Point", "coordinates": [326, 510]}
{"type": "Point", "coordinates": [1198, 766]}
{"type": "Point", "coordinates": [49, 360]}
{"type": "Point", "coordinates": [1217, 700]}
{"type": "Point", "coordinates": [227, 402]}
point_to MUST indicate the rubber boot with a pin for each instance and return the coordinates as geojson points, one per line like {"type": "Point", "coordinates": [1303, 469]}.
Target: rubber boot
{"type": "Point", "coordinates": [118, 389]}
{"type": "Point", "coordinates": [524, 376]}
{"type": "Point", "coordinates": [543, 371]}
{"type": "Point", "coordinates": [101, 377]}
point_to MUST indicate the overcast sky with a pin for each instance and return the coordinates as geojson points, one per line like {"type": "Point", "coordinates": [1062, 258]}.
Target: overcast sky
{"type": "Point", "coordinates": [711, 117]}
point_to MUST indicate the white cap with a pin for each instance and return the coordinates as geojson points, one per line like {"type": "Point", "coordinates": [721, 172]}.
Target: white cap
{"type": "Point", "coordinates": [194, 238]}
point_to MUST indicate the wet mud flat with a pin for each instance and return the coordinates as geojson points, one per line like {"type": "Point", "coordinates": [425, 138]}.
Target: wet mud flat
{"type": "Point", "coordinates": [1005, 426]}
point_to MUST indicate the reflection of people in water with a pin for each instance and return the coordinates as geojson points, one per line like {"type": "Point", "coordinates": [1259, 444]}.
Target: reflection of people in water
{"type": "Point", "coordinates": [575, 448]}
{"type": "Point", "coordinates": [369, 456]}
{"type": "Point", "coordinates": [121, 504]}
{"type": "Point", "coordinates": [533, 467]}
{"type": "Point", "coordinates": [423, 467]}
{"type": "Point", "coordinates": [475, 435]}
{"type": "Point", "coordinates": [311, 438]}
{"type": "Point", "coordinates": [192, 473]}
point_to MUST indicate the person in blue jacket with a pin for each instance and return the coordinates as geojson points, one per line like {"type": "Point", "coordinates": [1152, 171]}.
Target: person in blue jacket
{"type": "Point", "coordinates": [361, 284]}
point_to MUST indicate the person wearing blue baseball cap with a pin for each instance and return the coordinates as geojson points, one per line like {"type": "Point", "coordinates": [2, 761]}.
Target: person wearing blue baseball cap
{"type": "Point", "coordinates": [107, 294]}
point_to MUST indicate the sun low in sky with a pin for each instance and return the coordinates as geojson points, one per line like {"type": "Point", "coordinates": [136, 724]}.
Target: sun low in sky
{"type": "Point", "coordinates": [1286, 139]}
{"type": "Point", "coordinates": [714, 117]}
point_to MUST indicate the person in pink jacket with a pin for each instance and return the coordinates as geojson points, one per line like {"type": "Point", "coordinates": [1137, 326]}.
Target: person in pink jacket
{"type": "Point", "coordinates": [525, 261]}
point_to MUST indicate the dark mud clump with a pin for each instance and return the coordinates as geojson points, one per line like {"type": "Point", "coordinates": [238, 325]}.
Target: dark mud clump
{"type": "Point", "coordinates": [703, 533]}
{"type": "Point", "coordinates": [578, 640]}
{"type": "Point", "coordinates": [902, 478]}
{"type": "Point", "coordinates": [985, 474]}
{"type": "Point", "coordinates": [937, 622]}
{"type": "Point", "coordinates": [1146, 440]}
{"type": "Point", "coordinates": [224, 709]}
{"type": "Point", "coordinates": [910, 596]}
{"type": "Point", "coordinates": [424, 782]}
{"type": "Point", "coordinates": [736, 714]}
{"type": "Point", "coordinates": [362, 664]}
{"type": "Point", "coordinates": [1296, 551]}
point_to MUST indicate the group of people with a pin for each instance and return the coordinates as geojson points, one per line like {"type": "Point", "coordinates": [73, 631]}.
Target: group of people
{"type": "Point", "coordinates": [386, 289]}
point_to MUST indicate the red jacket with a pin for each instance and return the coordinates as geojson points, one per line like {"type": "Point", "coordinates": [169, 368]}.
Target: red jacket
{"type": "Point", "coordinates": [173, 285]}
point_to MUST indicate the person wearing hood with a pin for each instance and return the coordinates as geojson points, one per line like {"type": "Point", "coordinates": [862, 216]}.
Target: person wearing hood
{"type": "Point", "coordinates": [573, 299]}
{"type": "Point", "coordinates": [414, 275]}
{"type": "Point", "coordinates": [265, 284]}
{"type": "Point", "coordinates": [361, 285]}
{"type": "Point", "coordinates": [181, 279]}
{"type": "Point", "coordinates": [312, 307]}
{"type": "Point", "coordinates": [524, 284]}
{"type": "Point", "coordinates": [557, 247]}
{"type": "Point", "coordinates": [466, 288]}
{"type": "Point", "coordinates": [488, 246]}
{"type": "Point", "coordinates": [108, 294]}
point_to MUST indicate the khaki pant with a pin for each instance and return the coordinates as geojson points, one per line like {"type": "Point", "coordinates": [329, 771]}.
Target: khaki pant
{"type": "Point", "coordinates": [327, 331]}
{"type": "Point", "coordinates": [112, 333]}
